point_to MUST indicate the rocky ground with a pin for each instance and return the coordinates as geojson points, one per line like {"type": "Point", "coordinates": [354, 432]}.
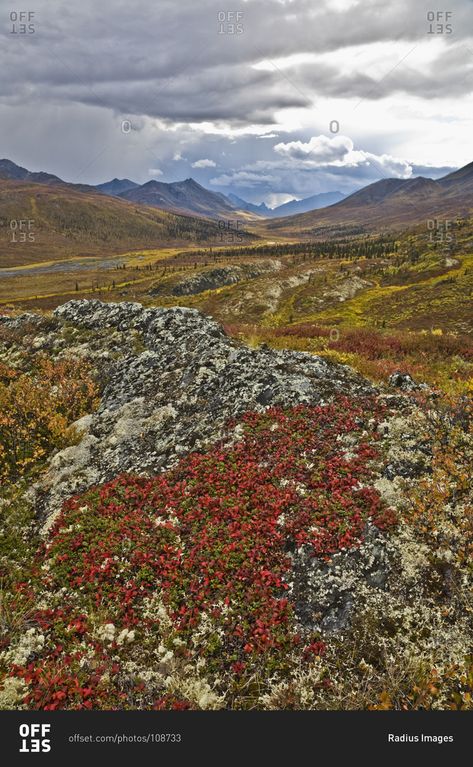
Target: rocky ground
{"type": "Point", "coordinates": [172, 385]}
{"type": "Point", "coordinates": [211, 279]}
{"type": "Point", "coordinates": [171, 381]}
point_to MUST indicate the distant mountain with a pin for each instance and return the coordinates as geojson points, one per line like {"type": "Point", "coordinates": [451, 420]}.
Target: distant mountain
{"type": "Point", "coordinates": [388, 203]}
{"type": "Point", "coordinates": [458, 179]}
{"type": "Point", "coordinates": [390, 188]}
{"type": "Point", "coordinates": [181, 196]}
{"type": "Point", "coordinates": [308, 203]}
{"type": "Point", "coordinates": [13, 172]}
{"type": "Point", "coordinates": [261, 209]}
{"type": "Point", "coordinates": [376, 192]}
{"type": "Point", "coordinates": [288, 208]}
{"type": "Point", "coordinates": [117, 186]}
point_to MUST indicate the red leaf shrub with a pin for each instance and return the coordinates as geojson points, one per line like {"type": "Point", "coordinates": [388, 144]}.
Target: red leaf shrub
{"type": "Point", "coordinates": [212, 536]}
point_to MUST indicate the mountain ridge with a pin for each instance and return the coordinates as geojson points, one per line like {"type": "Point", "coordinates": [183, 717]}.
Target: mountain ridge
{"type": "Point", "coordinates": [387, 203]}
{"type": "Point", "coordinates": [116, 186]}
{"type": "Point", "coordinates": [186, 196]}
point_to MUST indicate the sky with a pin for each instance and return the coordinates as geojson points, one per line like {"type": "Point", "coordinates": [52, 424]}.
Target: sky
{"type": "Point", "coordinates": [269, 99]}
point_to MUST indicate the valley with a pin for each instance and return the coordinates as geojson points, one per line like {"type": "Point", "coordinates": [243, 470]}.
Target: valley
{"type": "Point", "coordinates": [276, 292]}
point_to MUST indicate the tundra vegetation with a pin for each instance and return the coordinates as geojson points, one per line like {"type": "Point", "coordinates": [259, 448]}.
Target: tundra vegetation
{"type": "Point", "coordinates": [316, 555]}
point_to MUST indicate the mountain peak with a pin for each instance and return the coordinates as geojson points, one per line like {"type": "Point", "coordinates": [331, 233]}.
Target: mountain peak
{"type": "Point", "coordinates": [9, 169]}
{"type": "Point", "coordinates": [187, 196]}
{"type": "Point", "coordinates": [192, 182]}
{"type": "Point", "coordinates": [116, 186]}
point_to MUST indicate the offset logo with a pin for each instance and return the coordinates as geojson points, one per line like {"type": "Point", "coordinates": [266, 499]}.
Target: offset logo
{"type": "Point", "coordinates": [22, 22]}
{"type": "Point", "coordinates": [35, 738]}
{"type": "Point", "coordinates": [230, 22]}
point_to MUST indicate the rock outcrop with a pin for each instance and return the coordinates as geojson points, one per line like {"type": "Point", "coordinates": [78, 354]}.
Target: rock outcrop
{"type": "Point", "coordinates": [217, 278]}
{"type": "Point", "coordinates": [172, 380]}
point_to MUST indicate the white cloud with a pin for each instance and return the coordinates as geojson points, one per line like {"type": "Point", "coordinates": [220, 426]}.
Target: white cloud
{"type": "Point", "coordinates": [339, 152]}
{"type": "Point", "coordinates": [204, 164]}
{"type": "Point", "coordinates": [155, 172]}
{"type": "Point", "coordinates": [389, 166]}
{"type": "Point", "coordinates": [320, 149]}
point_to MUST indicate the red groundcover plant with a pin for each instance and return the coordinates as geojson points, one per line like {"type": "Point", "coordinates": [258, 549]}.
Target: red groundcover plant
{"type": "Point", "coordinates": [212, 537]}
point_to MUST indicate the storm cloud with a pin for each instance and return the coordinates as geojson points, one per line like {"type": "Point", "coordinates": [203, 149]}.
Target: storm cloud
{"type": "Point", "coordinates": [264, 97]}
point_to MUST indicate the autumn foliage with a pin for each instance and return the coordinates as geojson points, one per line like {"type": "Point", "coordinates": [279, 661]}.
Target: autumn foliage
{"type": "Point", "coordinates": [213, 538]}
{"type": "Point", "coordinates": [37, 407]}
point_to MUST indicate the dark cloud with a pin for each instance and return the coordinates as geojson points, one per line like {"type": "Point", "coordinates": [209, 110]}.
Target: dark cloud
{"type": "Point", "coordinates": [161, 59]}
{"type": "Point", "coordinates": [171, 67]}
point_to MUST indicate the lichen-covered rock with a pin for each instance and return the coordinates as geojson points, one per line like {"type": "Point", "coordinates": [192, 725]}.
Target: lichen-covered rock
{"type": "Point", "coordinates": [405, 382]}
{"type": "Point", "coordinates": [175, 386]}
{"type": "Point", "coordinates": [217, 278]}
{"type": "Point", "coordinates": [327, 594]}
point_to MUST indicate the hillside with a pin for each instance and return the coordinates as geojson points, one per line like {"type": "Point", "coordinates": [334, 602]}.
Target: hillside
{"type": "Point", "coordinates": [66, 222]}
{"type": "Point", "coordinates": [459, 179]}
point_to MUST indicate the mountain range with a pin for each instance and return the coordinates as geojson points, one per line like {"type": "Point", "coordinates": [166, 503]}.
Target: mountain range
{"type": "Point", "coordinates": [181, 196]}
{"type": "Point", "coordinates": [288, 208]}
{"type": "Point", "coordinates": [187, 197]}
{"type": "Point", "coordinates": [60, 220]}
{"type": "Point", "coordinates": [13, 172]}
{"type": "Point", "coordinates": [387, 204]}
{"type": "Point", "coordinates": [190, 197]}
{"type": "Point", "coordinates": [121, 213]}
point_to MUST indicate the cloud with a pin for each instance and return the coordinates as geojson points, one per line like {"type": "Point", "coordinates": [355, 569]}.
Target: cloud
{"type": "Point", "coordinates": [432, 171]}
{"type": "Point", "coordinates": [400, 94]}
{"type": "Point", "coordinates": [168, 60]}
{"type": "Point", "coordinates": [155, 172]}
{"type": "Point", "coordinates": [338, 151]}
{"type": "Point", "coordinates": [204, 164]}
{"type": "Point", "coordinates": [389, 166]}
{"type": "Point", "coordinates": [273, 200]}
{"type": "Point", "coordinates": [320, 150]}
{"type": "Point", "coordinates": [301, 168]}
